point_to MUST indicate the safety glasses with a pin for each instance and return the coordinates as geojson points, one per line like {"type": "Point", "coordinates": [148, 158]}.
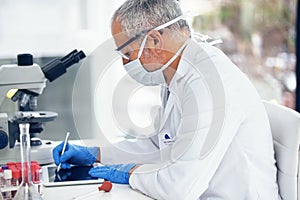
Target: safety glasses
{"type": "Point", "coordinates": [118, 50]}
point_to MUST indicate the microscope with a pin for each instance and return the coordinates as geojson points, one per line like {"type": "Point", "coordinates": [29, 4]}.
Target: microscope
{"type": "Point", "coordinates": [23, 83]}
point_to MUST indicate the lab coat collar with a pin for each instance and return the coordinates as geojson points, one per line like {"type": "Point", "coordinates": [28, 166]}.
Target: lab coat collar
{"type": "Point", "coordinates": [187, 60]}
{"type": "Point", "coordinates": [183, 68]}
{"type": "Point", "coordinates": [193, 53]}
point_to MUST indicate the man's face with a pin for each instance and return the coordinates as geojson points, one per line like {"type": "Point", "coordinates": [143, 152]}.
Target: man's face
{"type": "Point", "coordinates": [150, 59]}
{"type": "Point", "coordinates": [120, 38]}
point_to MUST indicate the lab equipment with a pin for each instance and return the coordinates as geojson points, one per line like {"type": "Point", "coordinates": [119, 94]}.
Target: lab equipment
{"type": "Point", "coordinates": [1, 178]}
{"type": "Point", "coordinates": [7, 177]}
{"type": "Point", "coordinates": [26, 190]}
{"type": "Point", "coordinates": [24, 82]}
{"type": "Point", "coordinates": [105, 187]}
{"type": "Point", "coordinates": [115, 173]}
{"type": "Point", "coordinates": [64, 148]}
{"type": "Point", "coordinates": [16, 179]}
{"type": "Point", "coordinates": [74, 154]}
{"type": "Point", "coordinates": [7, 183]}
{"type": "Point", "coordinates": [76, 175]}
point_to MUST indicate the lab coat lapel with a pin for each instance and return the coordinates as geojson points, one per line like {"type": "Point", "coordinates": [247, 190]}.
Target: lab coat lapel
{"type": "Point", "coordinates": [167, 110]}
{"type": "Point", "coordinates": [178, 81]}
{"type": "Point", "coordinates": [174, 90]}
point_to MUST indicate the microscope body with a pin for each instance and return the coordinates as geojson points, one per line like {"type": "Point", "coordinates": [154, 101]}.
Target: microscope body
{"type": "Point", "coordinates": [15, 77]}
{"type": "Point", "coordinates": [18, 78]}
{"type": "Point", "coordinates": [24, 82]}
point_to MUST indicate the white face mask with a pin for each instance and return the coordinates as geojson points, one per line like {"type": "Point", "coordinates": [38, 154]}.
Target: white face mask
{"type": "Point", "coordinates": [136, 70]}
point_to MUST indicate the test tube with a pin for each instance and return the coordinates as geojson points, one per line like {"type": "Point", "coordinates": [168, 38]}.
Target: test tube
{"type": "Point", "coordinates": [39, 172]}
{"type": "Point", "coordinates": [1, 178]}
{"type": "Point", "coordinates": [16, 177]}
{"type": "Point", "coordinates": [7, 177]}
{"type": "Point", "coordinates": [19, 165]}
{"type": "Point", "coordinates": [16, 180]}
{"type": "Point", "coordinates": [7, 183]}
{"type": "Point", "coordinates": [33, 173]}
{"type": "Point", "coordinates": [11, 165]}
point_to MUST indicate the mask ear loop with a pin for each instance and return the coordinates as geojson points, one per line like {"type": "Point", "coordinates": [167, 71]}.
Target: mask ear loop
{"type": "Point", "coordinates": [169, 22]}
{"type": "Point", "coordinates": [159, 28]}
{"type": "Point", "coordinates": [142, 46]}
{"type": "Point", "coordinates": [174, 57]}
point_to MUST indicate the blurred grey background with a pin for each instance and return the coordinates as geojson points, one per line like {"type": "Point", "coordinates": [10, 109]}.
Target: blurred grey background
{"type": "Point", "coordinates": [257, 35]}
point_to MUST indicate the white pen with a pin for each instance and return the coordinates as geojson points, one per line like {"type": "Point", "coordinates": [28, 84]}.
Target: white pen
{"type": "Point", "coordinates": [63, 150]}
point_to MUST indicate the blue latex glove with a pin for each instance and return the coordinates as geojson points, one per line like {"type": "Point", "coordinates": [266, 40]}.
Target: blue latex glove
{"type": "Point", "coordinates": [114, 173]}
{"type": "Point", "coordinates": [74, 154]}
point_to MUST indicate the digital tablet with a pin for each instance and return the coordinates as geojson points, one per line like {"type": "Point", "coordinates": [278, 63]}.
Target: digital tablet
{"type": "Point", "coordinates": [77, 175]}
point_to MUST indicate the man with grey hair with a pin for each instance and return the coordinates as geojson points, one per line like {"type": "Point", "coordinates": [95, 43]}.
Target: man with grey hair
{"type": "Point", "coordinates": [214, 139]}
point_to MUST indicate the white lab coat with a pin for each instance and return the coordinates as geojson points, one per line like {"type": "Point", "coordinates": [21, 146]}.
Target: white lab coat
{"type": "Point", "coordinates": [214, 140]}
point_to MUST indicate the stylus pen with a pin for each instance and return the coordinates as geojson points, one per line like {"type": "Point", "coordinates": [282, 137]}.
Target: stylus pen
{"type": "Point", "coordinates": [64, 148]}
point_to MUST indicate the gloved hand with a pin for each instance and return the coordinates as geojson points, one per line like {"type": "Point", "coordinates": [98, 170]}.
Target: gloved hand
{"type": "Point", "coordinates": [74, 154]}
{"type": "Point", "coordinates": [114, 173]}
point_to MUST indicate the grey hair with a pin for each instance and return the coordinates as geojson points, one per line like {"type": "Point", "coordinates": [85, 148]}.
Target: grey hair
{"type": "Point", "coordinates": [138, 15]}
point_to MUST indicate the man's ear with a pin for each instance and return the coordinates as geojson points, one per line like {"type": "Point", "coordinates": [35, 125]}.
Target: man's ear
{"type": "Point", "coordinates": [157, 41]}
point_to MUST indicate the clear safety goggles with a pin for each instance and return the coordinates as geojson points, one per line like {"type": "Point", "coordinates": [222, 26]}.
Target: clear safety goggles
{"type": "Point", "coordinates": [118, 50]}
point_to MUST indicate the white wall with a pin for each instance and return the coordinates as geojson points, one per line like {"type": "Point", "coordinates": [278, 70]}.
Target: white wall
{"type": "Point", "coordinates": [53, 27]}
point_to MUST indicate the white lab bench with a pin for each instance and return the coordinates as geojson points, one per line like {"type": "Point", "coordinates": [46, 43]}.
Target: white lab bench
{"type": "Point", "coordinates": [118, 191]}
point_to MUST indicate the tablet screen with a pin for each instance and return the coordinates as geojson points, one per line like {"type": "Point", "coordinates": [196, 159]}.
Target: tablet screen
{"type": "Point", "coordinates": [75, 175]}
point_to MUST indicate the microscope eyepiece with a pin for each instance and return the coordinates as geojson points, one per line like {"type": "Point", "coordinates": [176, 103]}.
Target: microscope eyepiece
{"type": "Point", "coordinates": [25, 59]}
{"type": "Point", "coordinates": [57, 67]}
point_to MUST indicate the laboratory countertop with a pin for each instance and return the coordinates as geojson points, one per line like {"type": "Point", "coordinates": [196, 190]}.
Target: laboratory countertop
{"type": "Point", "coordinates": [118, 191]}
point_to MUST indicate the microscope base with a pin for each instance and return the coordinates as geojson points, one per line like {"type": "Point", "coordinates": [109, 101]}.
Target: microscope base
{"type": "Point", "coordinates": [42, 154]}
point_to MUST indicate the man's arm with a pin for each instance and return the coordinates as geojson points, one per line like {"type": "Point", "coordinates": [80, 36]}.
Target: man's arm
{"type": "Point", "coordinates": [139, 151]}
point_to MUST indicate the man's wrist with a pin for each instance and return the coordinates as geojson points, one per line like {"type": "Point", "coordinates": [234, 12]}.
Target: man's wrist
{"type": "Point", "coordinates": [98, 159]}
{"type": "Point", "coordinates": [134, 168]}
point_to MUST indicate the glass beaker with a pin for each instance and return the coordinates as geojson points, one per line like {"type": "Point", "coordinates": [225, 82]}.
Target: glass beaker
{"type": "Point", "coordinates": [26, 191]}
